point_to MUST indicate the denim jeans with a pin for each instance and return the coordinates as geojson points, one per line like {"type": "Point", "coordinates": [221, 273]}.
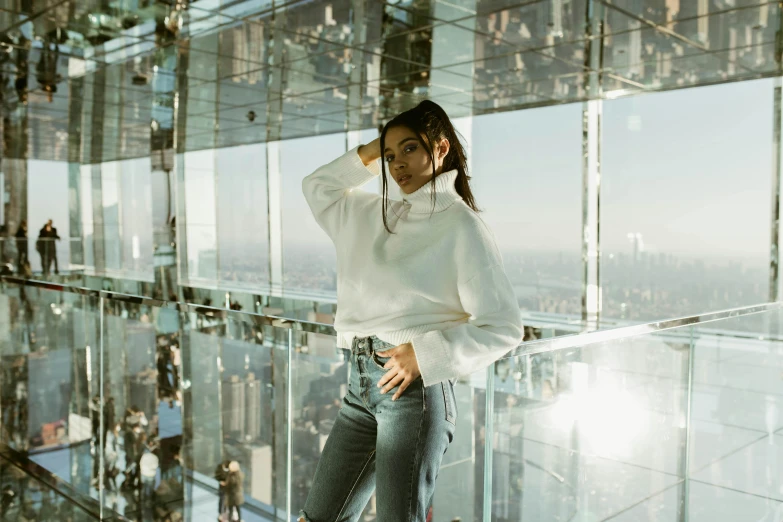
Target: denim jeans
{"type": "Point", "coordinates": [395, 447]}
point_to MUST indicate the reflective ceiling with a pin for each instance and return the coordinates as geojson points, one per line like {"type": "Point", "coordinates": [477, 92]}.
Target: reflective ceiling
{"type": "Point", "coordinates": [92, 81]}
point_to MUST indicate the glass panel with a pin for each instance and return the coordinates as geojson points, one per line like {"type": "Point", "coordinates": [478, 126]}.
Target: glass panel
{"type": "Point", "coordinates": [590, 432]}
{"type": "Point", "coordinates": [88, 231]}
{"type": "Point", "coordinates": [200, 109]}
{"type": "Point", "coordinates": [76, 233]}
{"type": "Point", "coordinates": [234, 382]}
{"type": "Point", "coordinates": [737, 418]}
{"type": "Point", "coordinates": [539, 235]}
{"type": "Point", "coordinates": [242, 217]}
{"type": "Point", "coordinates": [678, 423]}
{"type": "Point", "coordinates": [200, 216]}
{"type": "Point", "coordinates": [112, 226]}
{"type": "Point", "coordinates": [142, 411]}
{"type": "Point", "coordinates": [459, 493]}
{"type": "Point", "coordinates": [136, 190]}
{"type": "Point", "coordinates": [50, 380]}
{"type": "Point", "coordinates": [689, 255]}
{"type": "Point", "coordinates": [319, 378]}
{"type": "Point", "coordinates": [710, 43]}
{"type": "Point", "coordinates": [309, 259]}
{"type": "Point", "coordinates": [47, 183]}
{"type": "Point", "coordinates": [26, 498]}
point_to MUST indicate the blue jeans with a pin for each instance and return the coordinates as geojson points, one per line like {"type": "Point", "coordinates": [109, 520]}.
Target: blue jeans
{"type": "Point", "coordinates": [394, 446]}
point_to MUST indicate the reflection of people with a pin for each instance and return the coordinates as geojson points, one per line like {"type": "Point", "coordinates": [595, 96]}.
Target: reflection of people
{"type": "Point", "coordinates": [235, 494]}
{"type": "Point", "coordinates": [112, 455]}
{"type": "Point", "coordinates": [95, 417]}
{"type": "Point", "coordinates": [21, 245]}
{"type": "Point", "coordinates": [149, 470]}
{"type": "Point", "coordinates": [165, 384]}
{"type": "Point", "coordinates": [9, 496]}
{"type": "Point", "coordinates": [134, 440]}
{"type": "Point", "coordinates": [391, 288]}
{"type": "Point", "coordinates": [46, 247]}
{"type": "Point", "coordinates": [221, 474]}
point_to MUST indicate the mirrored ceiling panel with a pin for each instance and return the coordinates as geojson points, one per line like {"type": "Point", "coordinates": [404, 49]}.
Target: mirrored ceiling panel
{"type": "Point", "coordinates": [100, 80]}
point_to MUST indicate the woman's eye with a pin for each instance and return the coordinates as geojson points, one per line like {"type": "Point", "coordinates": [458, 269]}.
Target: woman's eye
{"type": "Point", "coordinates": [408, 150]}
{"type": "Point", "coordinates": [389, 159]}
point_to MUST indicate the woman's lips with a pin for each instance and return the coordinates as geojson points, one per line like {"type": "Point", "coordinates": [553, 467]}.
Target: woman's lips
{"type": "Point", "coordinates": [403, 180]}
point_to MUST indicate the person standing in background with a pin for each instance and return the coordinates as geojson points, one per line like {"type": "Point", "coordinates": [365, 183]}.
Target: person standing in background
{"type": "Point", "coordinates": [47, 248]}
{"type": "Point", "coordinates": [235, 493]}
{"type": "Point", "coordinates": [221, 475]}
{"type": "Point", "coordinates": [21, 245]}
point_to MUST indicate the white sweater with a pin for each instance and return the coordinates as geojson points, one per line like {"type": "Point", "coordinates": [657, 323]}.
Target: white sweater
{"type": "Point", "coordinates": [438, 282]}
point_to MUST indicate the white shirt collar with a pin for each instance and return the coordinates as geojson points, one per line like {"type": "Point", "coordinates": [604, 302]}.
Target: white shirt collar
{"type": "Point", "coordinates": [445, 194]}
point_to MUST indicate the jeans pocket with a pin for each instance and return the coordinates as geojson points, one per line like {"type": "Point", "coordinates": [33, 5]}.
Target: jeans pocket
{"type": "Point", "coordinates": [450, 402]}
{"type": "Point", "coordinates": [379, 361]}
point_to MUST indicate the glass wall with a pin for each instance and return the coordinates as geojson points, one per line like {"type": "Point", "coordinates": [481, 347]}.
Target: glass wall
{"type": "Point", "coordinates": [137, 225]}
{"type": "Point", "coordinates": [242, 217]}
{"type": "Point", "coordinates": [111, 215]}
{"type": "Point", "coordinates": [154, 402]}
{"type": "Point", "coordinates": [47, 187]}
{"type": "Point", "coordinates": [685, 201]}
{"type": "Point", "coordinates": [527, 179]}
{"type": "Point", "coordinates": [88, 230]}
{"type": "Point", "coordinates": [309, 258]}
{"type": "Point", "coordinates": [223, 93]}
{"type": "Point", "coordinates": [201, 219]}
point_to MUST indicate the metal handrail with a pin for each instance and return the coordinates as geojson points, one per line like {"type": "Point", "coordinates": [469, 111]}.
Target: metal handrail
{"type": "Point", "coordinates": [565, 342]}
{"type": "Point", "coordinates": [539, 346]}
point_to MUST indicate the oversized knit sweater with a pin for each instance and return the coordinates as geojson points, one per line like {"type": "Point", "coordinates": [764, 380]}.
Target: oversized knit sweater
{"type": "Point", "coordinates": [438, 282]}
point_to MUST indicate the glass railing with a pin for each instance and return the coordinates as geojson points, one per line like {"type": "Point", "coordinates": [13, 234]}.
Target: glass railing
{"type": "Point", "coordinates": [676, 420]}
{"type": "Point", "coordinates": [30, 492]}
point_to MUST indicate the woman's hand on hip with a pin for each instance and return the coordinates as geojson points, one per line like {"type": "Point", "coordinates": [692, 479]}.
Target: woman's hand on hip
{"type": "Point", "coordinates": [402, 369]}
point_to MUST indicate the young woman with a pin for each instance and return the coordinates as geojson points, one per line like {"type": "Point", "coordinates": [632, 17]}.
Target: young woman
{"type": "Point", "coordinates": [423, 299]}
{"type": "Point", "coordinates": [235, 493]}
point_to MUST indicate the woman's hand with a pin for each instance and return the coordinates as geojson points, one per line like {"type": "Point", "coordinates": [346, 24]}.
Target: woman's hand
{"type": "Point", "coordinates": [370, 152]}
{"type": "Point", "coordinates": [403, 369]}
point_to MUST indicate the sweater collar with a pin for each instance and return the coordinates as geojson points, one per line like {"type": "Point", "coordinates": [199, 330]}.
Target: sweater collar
{"type": "Point", "coordinates": [445, 194]}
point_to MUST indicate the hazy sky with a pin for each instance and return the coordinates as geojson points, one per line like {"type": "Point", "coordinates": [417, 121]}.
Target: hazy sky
{"type": "Point", "coordinates": [690, 170]}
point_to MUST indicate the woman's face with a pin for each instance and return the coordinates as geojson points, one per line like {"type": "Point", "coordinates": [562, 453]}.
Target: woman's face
{"type": "Point", "coordinates": [408, 161]}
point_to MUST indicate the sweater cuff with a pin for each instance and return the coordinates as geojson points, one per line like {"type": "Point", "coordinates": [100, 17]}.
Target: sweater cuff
{"type": "Point", "coordinates": [433, 357]}
{"type": "Point", "coordinates": [353, 171]}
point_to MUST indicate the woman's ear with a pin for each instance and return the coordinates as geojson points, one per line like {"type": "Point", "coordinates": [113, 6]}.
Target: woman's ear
{"type": "Point", "coordinates": [444, 148]}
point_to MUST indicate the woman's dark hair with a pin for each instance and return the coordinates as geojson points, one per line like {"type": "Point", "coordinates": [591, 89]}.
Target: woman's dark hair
{"type": "Point", "coordinates": [430, 120]}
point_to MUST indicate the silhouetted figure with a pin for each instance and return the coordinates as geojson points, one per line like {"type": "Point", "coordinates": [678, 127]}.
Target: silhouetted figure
{"type": "Point", "coordinates": [21, 245]}
{"type": "Point", "coordinates": [47, 248]}
{"type": "Point", "coordinates": [221, 475]}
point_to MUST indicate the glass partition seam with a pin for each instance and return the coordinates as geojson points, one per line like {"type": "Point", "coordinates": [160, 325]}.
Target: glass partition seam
{"type": "Point", "coordinates": [489, 430]}
{"type": "Point", "coordinates": [274, 217]}
{"type": "Point", "coordinates": [591, 168]}
{"type": "Point", "coordinates": [215, 171]}
{"type": "Point", "coordinates": [289, 424]}
{"type": "Point", "coordinates": [99, 449]}
{"type": "Point", "coordinates": [777, 165]}
{"type": "Point", "coordinates": [688, 427]}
